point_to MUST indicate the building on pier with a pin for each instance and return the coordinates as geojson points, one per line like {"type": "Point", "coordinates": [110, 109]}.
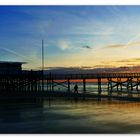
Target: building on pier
{"type": "Point", "coordinates": [10, 67]}
{"type": "Point", "coordinates": [13, 78]}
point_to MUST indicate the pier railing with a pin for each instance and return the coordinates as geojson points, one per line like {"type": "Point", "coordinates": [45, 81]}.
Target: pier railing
{"type": "Point", "coordinates": [91, 76]}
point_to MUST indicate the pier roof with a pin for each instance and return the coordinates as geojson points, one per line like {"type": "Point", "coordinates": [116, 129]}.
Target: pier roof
{"type": "Point", "coordinates": [11, 62]}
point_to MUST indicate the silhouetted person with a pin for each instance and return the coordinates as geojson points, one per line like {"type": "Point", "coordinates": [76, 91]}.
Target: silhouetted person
{"type": "Point", "coordinates": [76, 89]}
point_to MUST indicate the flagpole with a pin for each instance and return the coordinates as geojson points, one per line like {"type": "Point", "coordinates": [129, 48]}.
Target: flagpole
{"type": "Point", "coordinates": [42, 65]}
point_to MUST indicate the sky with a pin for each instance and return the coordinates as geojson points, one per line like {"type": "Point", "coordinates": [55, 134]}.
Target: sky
{"type": "Point", "coordinates": [74, 36]}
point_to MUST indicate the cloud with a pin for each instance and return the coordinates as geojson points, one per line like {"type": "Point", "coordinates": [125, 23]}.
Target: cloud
{"type": "Point", "coordinates": [132, 40]}
{"type": "Point", "coordinates": [115, 46]}
{"type": "Point", "coordinates": [130, 44]}
{"type": "Point", "coordinates": [134, 43]}
{"type": "Point", "coordinates": [87, 47]}
{"type": "Point", "coordinates": [15, 53]}
{"type": "Point", "coordinates": [63, 45]}
{"type": "Point", "coordinates": [129, 60]}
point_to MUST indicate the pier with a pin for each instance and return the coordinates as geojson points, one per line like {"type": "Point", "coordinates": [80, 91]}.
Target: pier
{"type": "Point", "coordinates": [118, 81]}
{"type": "Point", "coordinates": [35, 84]}
{"type": "Point", "coordinates": [36, 81]}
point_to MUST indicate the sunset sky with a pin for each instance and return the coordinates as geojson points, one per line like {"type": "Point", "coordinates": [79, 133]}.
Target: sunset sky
{"type": "Point", "coordinates": [74, 36]}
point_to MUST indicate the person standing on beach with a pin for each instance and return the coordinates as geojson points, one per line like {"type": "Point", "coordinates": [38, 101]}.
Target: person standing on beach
{"type": "Point", "coordinates": [76, 88]}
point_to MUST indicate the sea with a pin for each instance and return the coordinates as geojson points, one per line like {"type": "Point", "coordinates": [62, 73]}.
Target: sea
{"type": "Point", "coordinates": [67, 116]}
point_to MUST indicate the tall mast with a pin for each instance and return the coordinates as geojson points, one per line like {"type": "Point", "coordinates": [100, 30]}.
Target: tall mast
{"type": "Point", "coordinates": [42, 65]}
{"type": "Point", "coordinates": [43, 56]}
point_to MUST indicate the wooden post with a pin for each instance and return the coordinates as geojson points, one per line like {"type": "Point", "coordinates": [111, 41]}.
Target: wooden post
{"type": "Point", "coordinates": [68, 85]}
{"type": "Point", "coordinates": [127, 83]}
{"type": "Point", "coordinates": [117, 84]}
{"type": "Point", "coordinates": [131, 84]}
{"type": "Point", "coordinates": [50, 76]}
{"type": "Point", "coordinates": [47, 85]}
{"type": "Point", "coordinates": [32, 86]}
{"type": "Point", "coordinates": [137, 84]}
{"type": "Point", "coordinates": [109, 84]}
{"type": "Point", "coordinates": [36, 84]}
{"type": "Point", "coordinates": [52, 85]}
{"type": "Point", "coordinates": [99, 89]}
{"type": "Point", "coordinates": [121, 84]}
{"type": "Point", "coordinates": [84, 85]}
{"type": "Point", "coordinates": [99, 85]}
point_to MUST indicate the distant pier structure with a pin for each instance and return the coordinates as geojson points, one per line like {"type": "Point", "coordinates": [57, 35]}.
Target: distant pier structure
{"type": "Point", "coordinates": [14, 79]}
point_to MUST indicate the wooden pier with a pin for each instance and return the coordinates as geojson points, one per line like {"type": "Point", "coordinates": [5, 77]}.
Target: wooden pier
{"type": "Point", "coordinates": [117, 81]}
{"type": "Point", "coordinates": [36, 81]}
{"type": "Point", "coordinates": [24, 81]}
{"type": "Point", "coordinates": [39, 85]}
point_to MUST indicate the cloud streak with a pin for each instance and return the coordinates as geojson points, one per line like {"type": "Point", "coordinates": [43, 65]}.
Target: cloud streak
{"type": "Point", "coordinates": [15, 53]}
{"type": "Point", "coordinates": [130, 44]}
{"type": "Point", "coordinates": [115, 46]}
{"type": "Point", "coordinates": [129, 60]}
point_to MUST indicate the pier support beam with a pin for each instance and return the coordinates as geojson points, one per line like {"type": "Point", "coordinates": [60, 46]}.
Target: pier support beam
{"type": "Point", "coordinates": [117, 84]}
{"type": "Point", "coordinates": [131, 84]}
{"type": "Point", "coordinates": [99, 89]}
{"type": "Point", "coordinates": [120, 81]}
{"type": "Point", "coordinates": [110, 84]}
{"type": "Point", "coordinates": [52, 85]}
{"type": "Point", "coordinates": [137, 84]}
{"type": "Point", "coordinates": [68, 85]}
{"type": "Point", "coordinates": [99, 85]}
{"type": "Point", "coordinates": [84, 85]}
